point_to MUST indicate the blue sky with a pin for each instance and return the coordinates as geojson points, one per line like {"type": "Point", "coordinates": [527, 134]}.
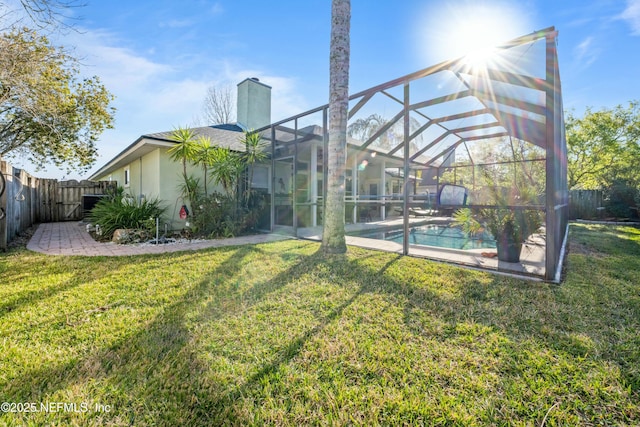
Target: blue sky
{"type": "Point", "coordinates": [158, 57]}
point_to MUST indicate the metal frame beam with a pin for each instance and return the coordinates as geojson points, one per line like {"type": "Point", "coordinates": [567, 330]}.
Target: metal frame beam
{"type": "Point", "coordinates": [548, 129]}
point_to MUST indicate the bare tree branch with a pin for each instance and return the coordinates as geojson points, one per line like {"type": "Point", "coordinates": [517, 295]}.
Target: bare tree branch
{"type": "Point", "coordinates": [43, 14]}
{"type": "Point", "coordinates": [219, 105]}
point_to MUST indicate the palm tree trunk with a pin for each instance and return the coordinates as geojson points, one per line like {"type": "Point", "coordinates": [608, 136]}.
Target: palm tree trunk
{"type": "Point", "coordinates": [206, 193]}
{"type": "Point", "coordinates": [333, 240]}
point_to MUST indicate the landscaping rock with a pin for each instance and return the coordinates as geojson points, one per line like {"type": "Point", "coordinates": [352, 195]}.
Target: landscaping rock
{"type": "Point", "coordinates": [122, 236]}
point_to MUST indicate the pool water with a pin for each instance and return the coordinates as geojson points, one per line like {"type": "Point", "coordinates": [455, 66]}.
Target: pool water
{"type": "Point", "coordinates": [442, 236]}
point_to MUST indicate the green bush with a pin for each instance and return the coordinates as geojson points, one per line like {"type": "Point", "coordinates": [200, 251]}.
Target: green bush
{"type": "Point", "coordinates": [619, 197]}
{"type": "Point", "coordinates": [221, 215]}
{"type": "Point", "coordinates": [119, 211]}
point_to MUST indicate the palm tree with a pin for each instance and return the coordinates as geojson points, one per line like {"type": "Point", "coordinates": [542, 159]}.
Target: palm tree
{"type": "Point", "coordinates": [203, 156]}
{"type": "Point", "coordinates": [255, 152]}
{"type": "Point", "coordinates": [333, 240]}
{"type": "Point", "coordinates": [226, 167]}
{"type": "Point", "coordinates": [184, 150]}
{"type": "Point", "coordinates": [363, 128]}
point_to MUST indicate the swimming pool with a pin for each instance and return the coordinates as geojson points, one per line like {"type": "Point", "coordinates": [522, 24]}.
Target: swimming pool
{"type": "Point", "coordinates": [442, 236]}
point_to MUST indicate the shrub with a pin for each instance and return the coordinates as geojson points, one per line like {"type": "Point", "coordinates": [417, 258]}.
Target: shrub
{"type": "Point", "coordinates": [221, 215]}
{"type": "Point", "coordinates": [619, 197]}
{"type": "Point", "coordinates": [119, 211]}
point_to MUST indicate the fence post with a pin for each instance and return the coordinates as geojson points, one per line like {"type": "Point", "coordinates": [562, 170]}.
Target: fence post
{"type": "Point", "coordinates": [4, 239]}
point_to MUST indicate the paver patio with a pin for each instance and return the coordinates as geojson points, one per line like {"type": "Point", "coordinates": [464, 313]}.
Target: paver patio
{"type": "Point", "coordinates": [71, 238]}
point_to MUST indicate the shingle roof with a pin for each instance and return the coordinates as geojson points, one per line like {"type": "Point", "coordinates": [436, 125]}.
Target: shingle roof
{"type": "Point", "coordinates": [228, 135]}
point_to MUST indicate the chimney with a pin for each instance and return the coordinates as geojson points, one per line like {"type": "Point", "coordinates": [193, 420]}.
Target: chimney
{"type": "Point", "coordinates": [254, 104]}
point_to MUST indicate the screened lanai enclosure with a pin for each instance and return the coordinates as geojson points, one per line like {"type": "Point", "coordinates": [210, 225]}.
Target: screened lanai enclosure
{"type": "Point", "coordinates": [442, 163]}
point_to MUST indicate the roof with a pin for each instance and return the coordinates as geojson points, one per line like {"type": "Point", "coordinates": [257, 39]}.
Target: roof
{"type": "Point", "coordinates": [227, 135]}
{"type": "Point", "coordinates": [255, 80]}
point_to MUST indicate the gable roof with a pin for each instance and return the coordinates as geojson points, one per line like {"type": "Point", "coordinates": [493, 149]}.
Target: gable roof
{"type": "Point", "coordinates": [228, 135]}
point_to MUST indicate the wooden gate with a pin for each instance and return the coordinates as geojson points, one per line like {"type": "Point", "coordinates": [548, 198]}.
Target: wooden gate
{"type": "Point", "coordinates": [66, 197]}
{"type": "Point", "coordinates": [62, 200]}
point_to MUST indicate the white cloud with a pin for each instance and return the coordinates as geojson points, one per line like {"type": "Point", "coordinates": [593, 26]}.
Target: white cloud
{"type": "Point", "coordinates": [586, 52]}
{"type": "Point", "coordinates": [632, 15]}
{"type": "Point", "coordinates": [153, 88]}
{"type": "Point", "coordinates": [153, 97]}
{"type": "Point", "coordinates": [217, 9]}
{"type": "Point", "coordinates": [119, 68]}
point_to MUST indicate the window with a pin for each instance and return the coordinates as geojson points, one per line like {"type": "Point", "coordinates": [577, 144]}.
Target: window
{"type": "Point", "coordinates": [260, 177]}
{"type": "Point", "coordinates": [127, 177]}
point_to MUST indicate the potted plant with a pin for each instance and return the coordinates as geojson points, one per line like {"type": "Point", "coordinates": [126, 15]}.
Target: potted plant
{"type": "Point", "coordinates": [511, 219]}
{"type": "Point", "coordinates": [511, 229]}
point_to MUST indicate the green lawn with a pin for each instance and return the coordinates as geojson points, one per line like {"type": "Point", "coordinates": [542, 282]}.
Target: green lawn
{"type": "Point", "coordinates": [275, 334]}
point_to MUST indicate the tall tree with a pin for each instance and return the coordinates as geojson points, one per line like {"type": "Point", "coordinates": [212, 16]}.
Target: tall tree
{"type": "Point", "coordinates": [219, 105]}
{"type": "Point", "coordinates": [333, 240]}
{"type": "Point", "coordinates": [43, 14]}
{"type": "Point", "coordinates": [603, 146]}
{"type": "Point", "coordinates": [47, 114]}
{"type": "Point", "coordinates": [365, 128]}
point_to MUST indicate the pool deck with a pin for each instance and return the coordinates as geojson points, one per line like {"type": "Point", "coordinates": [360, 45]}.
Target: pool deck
{"type": "Point", "coordinates": [532, 258]}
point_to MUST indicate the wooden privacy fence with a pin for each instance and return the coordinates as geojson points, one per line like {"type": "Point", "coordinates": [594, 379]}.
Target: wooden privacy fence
{"type": "Point", "coordinates": [26, 200]}
{"type": "Point", "coordinates": [584, 204]}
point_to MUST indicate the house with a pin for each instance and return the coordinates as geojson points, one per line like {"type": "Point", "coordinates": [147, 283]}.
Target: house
{"type": "Point", "coordinates": [145, 170]}
{"type": "Point", "coordinates": [445, 124]}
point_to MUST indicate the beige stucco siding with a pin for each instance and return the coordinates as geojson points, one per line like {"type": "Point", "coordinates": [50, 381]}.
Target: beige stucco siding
{"type": "Point", "coordinates": [170, 179]}
{"type": "Point", "coordinates": [143, 176]}
{"type": "Point", "coordinates": [149, 178]}
{"type": "Point", "coordinates": [155, 175]}
{"type": "Point", "coordinates": [170, 182]}
{"type": "Point", "coordinates": [133, 188]}
{"type": "Point", "coordinates": [117, 175]}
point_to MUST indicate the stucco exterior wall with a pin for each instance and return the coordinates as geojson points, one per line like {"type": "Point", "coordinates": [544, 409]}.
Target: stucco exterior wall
{"type": "Point", "coordinates": [117, 176]}
{"type": "Point", "coordinates": [148, 181]}
{"type": "Point", "coordinates": [155, 175]}
{"type": "Point", "coordinates": [143, 176]}
{"type": "Point", "coordinates": [170, 180]}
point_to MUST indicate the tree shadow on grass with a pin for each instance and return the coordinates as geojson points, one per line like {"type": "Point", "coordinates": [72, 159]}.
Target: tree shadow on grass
{"type": "Point", "coordinates": [517, 324]}
{"type": "Point", "coordinates": [84, 272]}
{"type": "Point", "coordinates": [224, 407]}
{"type": "Point", "coordinates": [153, 374]}
{"type": "Point", "coordinates": [162, 374]}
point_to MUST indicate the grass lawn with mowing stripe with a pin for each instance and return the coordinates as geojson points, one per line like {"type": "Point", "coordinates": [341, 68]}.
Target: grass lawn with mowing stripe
{"type": "Point", "coordinates": [277, 334]}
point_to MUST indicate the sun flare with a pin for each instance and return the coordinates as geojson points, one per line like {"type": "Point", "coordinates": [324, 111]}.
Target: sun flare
{"type": "Point", "coordinates": [469, 29]}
